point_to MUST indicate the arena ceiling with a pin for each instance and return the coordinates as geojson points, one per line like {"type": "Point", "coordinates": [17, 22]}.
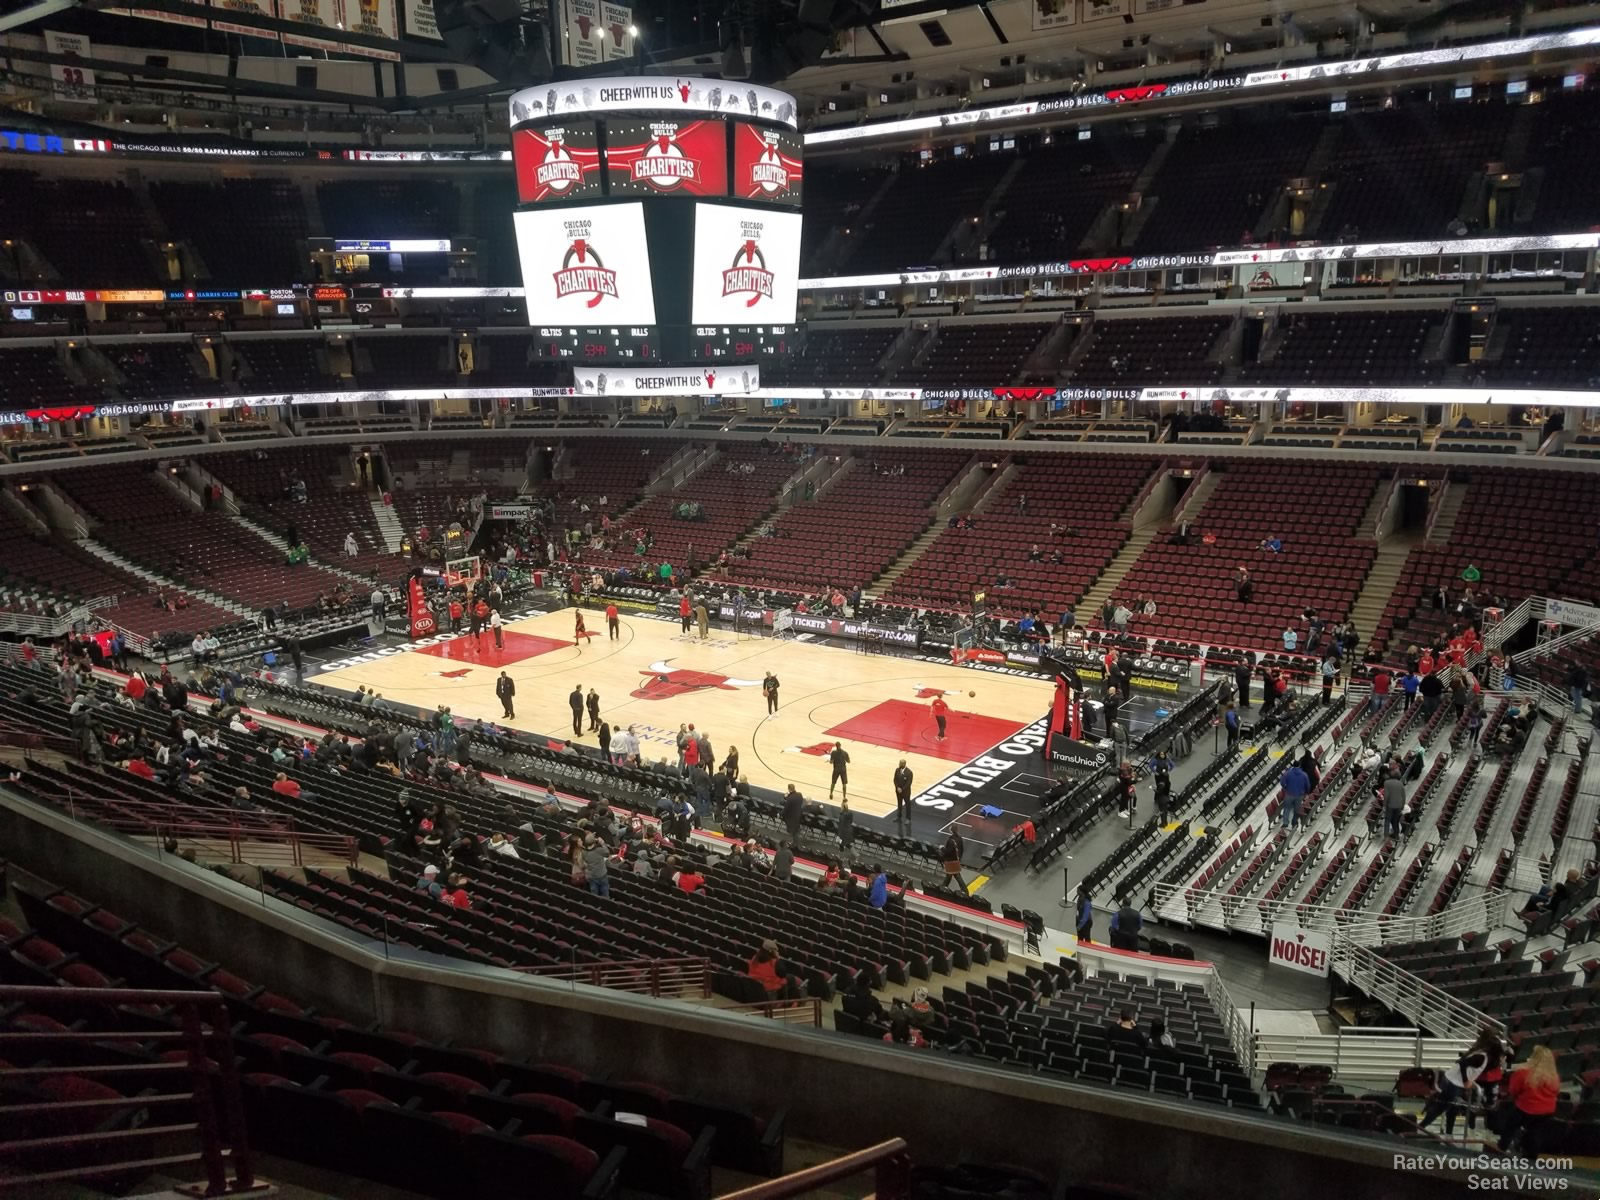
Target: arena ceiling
{"type": "Point", "coordinates": [845, 56]}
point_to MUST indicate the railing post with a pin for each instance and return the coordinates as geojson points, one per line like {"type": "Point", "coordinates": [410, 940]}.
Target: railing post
{"type": "Point", "coordinates": [205, 1108]}
{"type": "Point", "coordinates": [238, 1133]}
{"type": "Point", "coordinates": [892, 1179]}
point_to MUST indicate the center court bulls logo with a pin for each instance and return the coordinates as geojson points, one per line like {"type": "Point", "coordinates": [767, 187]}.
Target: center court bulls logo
{"type": "Point", "coordinates": [583, 272]}
{"type": "Point", "coordinates": [558, 171]}
{"type": "Point", "coordinates": [748, 276]}
{"type": "Point", "coordinates": [664, 682]}
{"type": "Point", "coordinates": [663, 163]}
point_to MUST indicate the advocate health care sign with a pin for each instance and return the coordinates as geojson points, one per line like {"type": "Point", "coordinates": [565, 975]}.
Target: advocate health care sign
{"type": "Point", "coordinates": [1303, 950]}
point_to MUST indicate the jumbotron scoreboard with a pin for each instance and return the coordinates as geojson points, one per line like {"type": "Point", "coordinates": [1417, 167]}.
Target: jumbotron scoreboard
{"type": "Point", "coordinates": [658, 220]}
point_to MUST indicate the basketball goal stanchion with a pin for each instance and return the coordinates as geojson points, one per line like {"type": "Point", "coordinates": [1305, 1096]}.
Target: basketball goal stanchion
{"type": "Point", "coordinates": [782, 622]}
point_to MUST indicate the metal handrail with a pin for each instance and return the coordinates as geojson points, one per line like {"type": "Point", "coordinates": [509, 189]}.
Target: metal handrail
{"type": "Point", "coordinates": [657, 977]}
{"type": "Point", "coordinates": [1478, 913]}
{"type": "Point", "coordinates": [805, 1011]}
{"type": "Point", "coordinates": [1367, 1052]}
{"type": "Point", "coordinates": [890, 1163]}
{"type": "Point", "coordinates": [1514, 619]}
{"type": "Point", "coordinates": [1238, 1030]}
{"type": "Point", "coordinates": [180, 821]}
{"type": "Point", "coordinates": [1572, 637]}
{"type": "Point", "coordinates": [1430, 1007]}
{"type": "Point", "coordinates": [204, 1032]}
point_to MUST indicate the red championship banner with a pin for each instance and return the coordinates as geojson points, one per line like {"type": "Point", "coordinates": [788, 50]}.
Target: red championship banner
{"type": "Point", "coordinates": [688, 158]}
{"type": "Point", "coordinates": [558, 163]}
{"type": "Point", "coordinates": [766, 164]}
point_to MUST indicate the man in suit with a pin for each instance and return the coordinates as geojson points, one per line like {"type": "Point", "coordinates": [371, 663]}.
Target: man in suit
{"type": "Point", "coordinates": [794, 811]}
{"type": "Point", "coordinates": [505, 688]}
{"type": "Point", "coordinates": [575, 701]}
{"type": "Point", "coordinates": [902, 792]}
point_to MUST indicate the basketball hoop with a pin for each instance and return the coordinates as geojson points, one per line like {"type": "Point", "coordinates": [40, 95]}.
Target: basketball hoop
{"type": "Point", "coordinates": [463, 571]}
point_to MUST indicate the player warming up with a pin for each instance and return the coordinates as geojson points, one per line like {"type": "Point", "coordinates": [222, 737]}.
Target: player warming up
{"type": "Point", "coordinates": [941, 714]}
{"type": "Point", "coordinates": [578, 631]}
{"type": "Point", "coordinates": [840, 758]}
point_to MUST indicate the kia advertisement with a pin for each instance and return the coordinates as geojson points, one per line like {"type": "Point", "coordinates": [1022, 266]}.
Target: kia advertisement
{"type": "Point", "coordinates": [561, 162]}
{"type": "Point", "coordinates": [588, 265]}
{"type": "Point", "coordinates": [667, 157]}
{"type": "Point", "coordinates": [746, 266]}
{"type": "Point", "coordinates": [766, 164]}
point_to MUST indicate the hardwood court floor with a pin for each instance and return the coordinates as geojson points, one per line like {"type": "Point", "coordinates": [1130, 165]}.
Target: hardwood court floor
{"type": "Point", "coordinates": [654, 679]}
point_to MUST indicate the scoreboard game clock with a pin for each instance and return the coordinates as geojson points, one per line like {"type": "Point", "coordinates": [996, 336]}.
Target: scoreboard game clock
{"type": "Point", "coordinates": [613, 344]}
{"type": "Point", "coordinates": [725, 344]}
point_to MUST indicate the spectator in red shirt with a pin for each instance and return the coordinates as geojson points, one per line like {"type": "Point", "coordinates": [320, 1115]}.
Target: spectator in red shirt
{"type": "Point", "coordinates": [941, 712]}
{"type": "Point", "coordinates": [764, 969]}
{"type": "Point", "coordinates": [903, 1033]}
{"type": "Point", "coordinates": [135, 688]}
{"type": "Point", "coordinates": [457, 895]}
{"type": "Point", "coordinates": [613, 624]}
{"type": "Point", "coordinates": [138, 766]}
{"type": "Point", "coordinates": [285, 786]}
{"type": "Point", "coordinates": [1533, 1091]}
{"type": "Point", "coordinates": [691, 880]}
{"type": "Point", "coordinates": [1381, 682]}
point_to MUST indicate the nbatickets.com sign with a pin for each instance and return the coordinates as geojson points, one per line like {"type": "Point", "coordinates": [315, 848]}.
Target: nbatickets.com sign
{"type": "Point", "coordinates": [748, 277]}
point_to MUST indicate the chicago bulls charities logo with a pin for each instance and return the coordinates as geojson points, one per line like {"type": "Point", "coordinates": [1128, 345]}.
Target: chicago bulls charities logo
{"type": "Point", "coordinates": [748, 276]}
{"type": "Point", "coordinates": [711, 380]}
{"type": "Point", "coordinates": [768, 172]}
{"type": "Point", "coordinates": [582, 272]}
{"type": "Point", "coordinates": [683, 91]}
{"type": "Point", "coordinates": [557, 172]}
{"type": "Point", "coordinates": [663, 163]}
{"type": "Point", "coordinates": [663, 682]}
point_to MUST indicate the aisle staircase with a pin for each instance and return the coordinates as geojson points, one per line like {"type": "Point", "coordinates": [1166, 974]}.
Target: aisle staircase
{"type": "Point", "coordinates": [903, 564]}
{"type": "Point", "coordinates": [1111, 578]}
{"type": "Point", "coordinates": [1381, 581]}
{"type": "Point", "coordinates": [388, 524]}
{"type": "Point", "coordinates": [107, 554]}
{"type": "Point", "coordinates": [281, 545]}
{"type": "Point", "coordinates": [1444, 521]}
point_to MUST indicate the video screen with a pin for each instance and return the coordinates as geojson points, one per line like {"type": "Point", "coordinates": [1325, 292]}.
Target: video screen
{"type": "Point", "coordinates": [559, 163]}
{"type": "Point", "coordinates": [767, 164]}
{"type": "Point", "coordinates": [746, 266]}
{"type": "Point", "coordinates": [667, 157]}
{"type": "Point", "coordinates": [588, 265]}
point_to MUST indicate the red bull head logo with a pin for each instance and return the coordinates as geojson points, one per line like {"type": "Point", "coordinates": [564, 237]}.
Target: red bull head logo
{"type": "Point", "coordinates": [664, 682]}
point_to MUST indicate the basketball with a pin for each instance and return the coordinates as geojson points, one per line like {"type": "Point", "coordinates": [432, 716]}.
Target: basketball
{"type": "Point", "coordinates": [970, 695]}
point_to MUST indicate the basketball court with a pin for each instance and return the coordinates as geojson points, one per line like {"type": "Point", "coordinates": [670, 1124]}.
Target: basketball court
{"type": "Point", "coordinates": [654, 679]}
